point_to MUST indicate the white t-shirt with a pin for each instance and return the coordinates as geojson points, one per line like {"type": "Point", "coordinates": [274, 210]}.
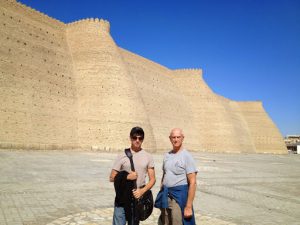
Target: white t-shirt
{"type": "Point", "coordinates": [176, 166]}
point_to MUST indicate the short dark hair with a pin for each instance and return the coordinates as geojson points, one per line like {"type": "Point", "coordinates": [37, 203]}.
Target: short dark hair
{"type": "Point", "coordinates": [137, 131]}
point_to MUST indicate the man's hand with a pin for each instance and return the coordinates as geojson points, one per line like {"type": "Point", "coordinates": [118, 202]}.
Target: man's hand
{"type": "Point", "coordinates": [132, 175]}
{"type": "Point", "coordinates": [188, 212]}
{"type": "Point", "coordinates": [137, 193]}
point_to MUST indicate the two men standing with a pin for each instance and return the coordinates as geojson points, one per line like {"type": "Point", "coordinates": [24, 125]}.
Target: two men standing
{"type": "Point", "coordinates": [178, 182]}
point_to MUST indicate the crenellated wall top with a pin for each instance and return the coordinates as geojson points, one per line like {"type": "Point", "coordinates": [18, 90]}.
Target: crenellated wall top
{"type": "Point", "coordinates": [188, 71]}
{"type": "Point", "coordinates": [16, 4]}
{"type": "Point", "coordinates": [104, 24]}
{"type": "Point", "coordinates": [258, 102]}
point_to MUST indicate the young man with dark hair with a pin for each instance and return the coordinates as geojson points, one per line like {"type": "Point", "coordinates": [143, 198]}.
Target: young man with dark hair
{"type": "Point", "coordinates": [123, 178]}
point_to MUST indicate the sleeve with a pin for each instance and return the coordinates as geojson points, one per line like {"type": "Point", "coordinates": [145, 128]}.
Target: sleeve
{"type": "Point", "coordinates": [117, 164]}
{"type": "Point", "coordinates": [190, 164]}
{"type": "Point", "coordinates": [151, 162]}
{"type": "Point", "coordinates": [163, 163]}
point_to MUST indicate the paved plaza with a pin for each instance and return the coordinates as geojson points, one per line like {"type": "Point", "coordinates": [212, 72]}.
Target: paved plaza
{"type": "Point", "coordinates": [71, 187]}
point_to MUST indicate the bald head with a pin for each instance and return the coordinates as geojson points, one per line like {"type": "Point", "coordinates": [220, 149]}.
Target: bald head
{"type": "Point", "coordinates": [176, 138]}
{"type": "Point", "coordinates": [177, 132]}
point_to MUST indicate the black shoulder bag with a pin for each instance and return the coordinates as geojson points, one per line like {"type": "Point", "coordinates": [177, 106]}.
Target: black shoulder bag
{"type": "Point", "coordinates": [144, 205]}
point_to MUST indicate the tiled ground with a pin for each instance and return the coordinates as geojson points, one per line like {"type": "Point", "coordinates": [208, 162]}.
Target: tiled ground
{"type": "Point", "coordinates": [71, 187]}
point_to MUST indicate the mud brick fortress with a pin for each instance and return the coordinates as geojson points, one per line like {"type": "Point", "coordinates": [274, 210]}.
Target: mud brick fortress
{"type": "Point", "coordinates": [69, 86]}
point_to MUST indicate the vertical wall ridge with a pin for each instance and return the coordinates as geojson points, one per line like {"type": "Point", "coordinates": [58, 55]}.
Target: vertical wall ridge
{"type": "Point", "coordinates": [109, 103]}
{"type": "Point", "coordinates": [164, 103]}
{"type": "Point", "coordinates": [264, 132]}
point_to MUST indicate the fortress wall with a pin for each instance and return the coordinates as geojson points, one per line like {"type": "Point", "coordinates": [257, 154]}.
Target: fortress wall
{"type": "Point", "coordinates": [109, 103]}
{"type": "Point", "coordinates": [165, 105]}
{"type": "Point", "coordinates": [68, 86]}
{"type": "Point", "coordinates": [264, 132]}
{"type": "Point", "coordinates": [219, 125]}
{"type": "Point", "coordinates": [37, 87]}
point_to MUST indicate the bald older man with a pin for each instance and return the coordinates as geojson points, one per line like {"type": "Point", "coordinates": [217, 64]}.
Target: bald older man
{"type": "Point", "coordinates": [177, 193]}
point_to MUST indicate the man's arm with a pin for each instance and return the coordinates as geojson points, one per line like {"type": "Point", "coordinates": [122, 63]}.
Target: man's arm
{"type": "Point", "coordinates": [140, 191]}
{"type": "Point", "coordinates": [188, 212]}
{"type": "Point", "coordinates": [112, 175]}
{"type": "Point", "coordinates": [130, 176]}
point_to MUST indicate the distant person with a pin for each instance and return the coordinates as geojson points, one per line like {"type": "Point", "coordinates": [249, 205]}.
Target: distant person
{"type": "Point", "coordinates": [124, 178]}
{"type": "Point", "coordinates": [178, 188]}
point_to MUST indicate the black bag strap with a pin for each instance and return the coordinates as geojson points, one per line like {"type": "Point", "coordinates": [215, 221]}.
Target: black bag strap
{"type": "Point", "coordinates": [129, 155]}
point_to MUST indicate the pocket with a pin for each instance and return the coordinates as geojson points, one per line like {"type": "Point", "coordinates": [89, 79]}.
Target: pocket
{"type": "Point", "coordinates": [179, 168]}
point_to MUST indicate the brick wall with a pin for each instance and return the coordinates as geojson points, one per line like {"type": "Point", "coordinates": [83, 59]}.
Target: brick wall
{"type": "Point", "coordinates": [37, 89]}
{"type": "Point", "coordinates": [68, 86]}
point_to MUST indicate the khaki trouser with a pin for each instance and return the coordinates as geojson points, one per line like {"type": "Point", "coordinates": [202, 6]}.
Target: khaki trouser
{"type": "Point", "coordinates": [171, 215]}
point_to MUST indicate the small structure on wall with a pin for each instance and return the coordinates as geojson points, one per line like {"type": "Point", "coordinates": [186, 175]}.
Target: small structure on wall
{"type": "Point", "coordinates": [293, 143]}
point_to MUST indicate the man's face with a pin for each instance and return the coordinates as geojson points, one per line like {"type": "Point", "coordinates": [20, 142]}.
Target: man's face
{"type": "Point", "coordinates": [136, 141]}
{"type": "Point", "coordinates": [176, 139]}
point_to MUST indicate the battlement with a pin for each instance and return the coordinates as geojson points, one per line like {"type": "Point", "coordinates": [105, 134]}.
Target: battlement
{"type": "Point", "coordinates": [253, 103]}
{"type": "Point", "coordinates": [101, 23]}
{"type": "Point", "coordinates": [20, 6]}
{"type": "Point", "coordinates": [188, 71]}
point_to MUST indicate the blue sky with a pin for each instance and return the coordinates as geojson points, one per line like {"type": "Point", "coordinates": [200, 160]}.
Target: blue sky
{"type": "Point", "coordinates": [248, 49]}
